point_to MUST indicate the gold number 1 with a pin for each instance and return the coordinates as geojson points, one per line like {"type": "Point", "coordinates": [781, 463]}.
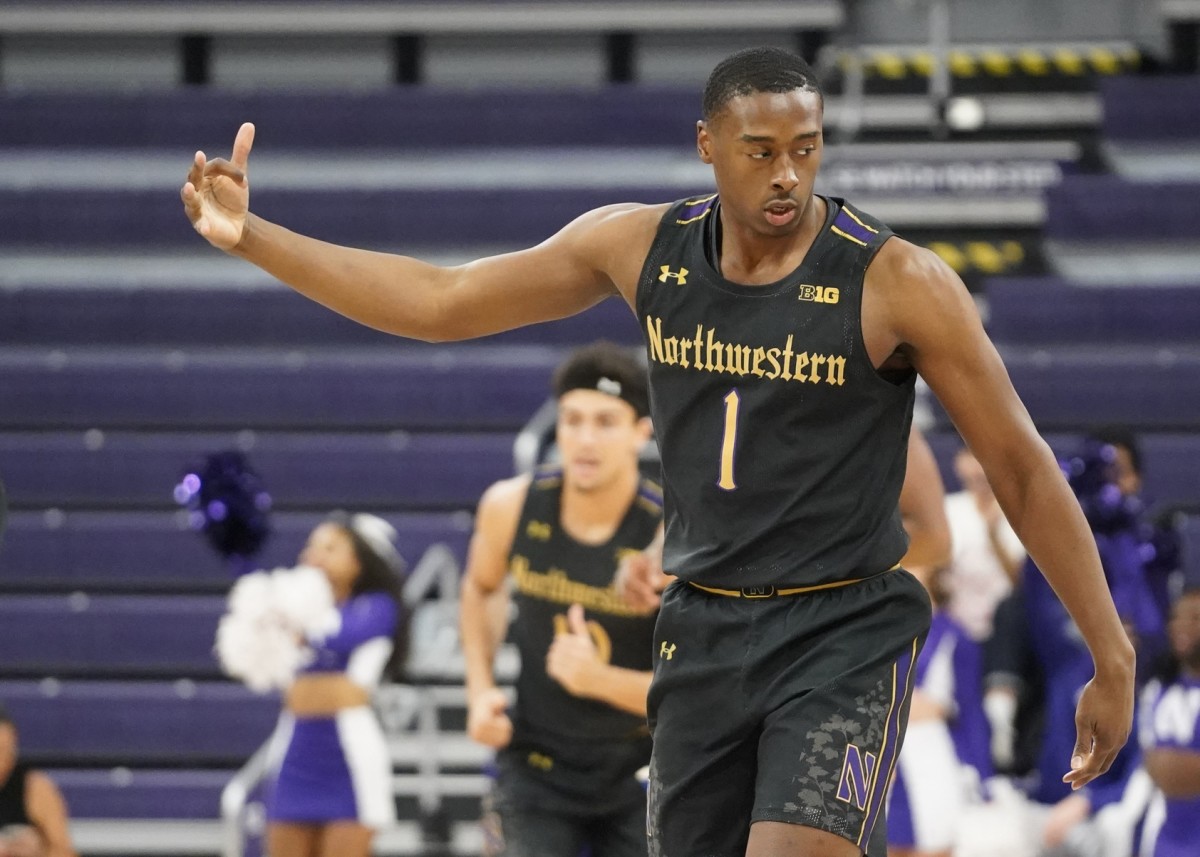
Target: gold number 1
{"type": "Point", "coordinates": [731, 414]}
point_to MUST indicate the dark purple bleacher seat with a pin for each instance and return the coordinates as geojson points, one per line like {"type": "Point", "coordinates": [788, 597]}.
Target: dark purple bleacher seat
{"type": "Point", "coordinates": [1029, 310]}
{"type": "Point", "coordinates": [1171, 468]}
{"type": "Point", "coordinates": [307, 471]}
{"type": "Point", "coordinates": [402, 117]}
{"type": "Point", "coordinates": [1111, 209]}
{"type": "Point", "coordinates": [1143, 387]}
{"type": "Point", "coordinates": [1151, 109]}
{"type": "Point", "coordinates": [125, 793]}
{"type": "Point", "coordinates": [374, 219]}
{"type": "Point", "coordinates": [138, 723]}
{"type": "Point", "coordinates": [125, 635]}
{"type": "Point", "coordinates": [156, 551]}
{"type": "Point", "coordinates": [476, 388]}
{"type": "Point", "coordinates": [180, 317]}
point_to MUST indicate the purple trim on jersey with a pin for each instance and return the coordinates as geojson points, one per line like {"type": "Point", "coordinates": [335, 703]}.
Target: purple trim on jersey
{"type": "Point", "coordinates": [845, 222]}
{"type": "Point", "coordinates": [904, 673]}
{"type": "Point", "coordinates": [649, 496]}
{"type": "Point", "coordinates": [691, 212]}
{"type": "Point", "coordinates": [901, 831]}
{"type": "Point", "coordinates": [314, 783]}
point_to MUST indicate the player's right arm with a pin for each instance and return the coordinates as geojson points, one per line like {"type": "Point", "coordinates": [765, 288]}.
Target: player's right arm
{"type": "Point", "coordinates": [597, 255]}
{"type": "Point", "coordinates": [481, 626]}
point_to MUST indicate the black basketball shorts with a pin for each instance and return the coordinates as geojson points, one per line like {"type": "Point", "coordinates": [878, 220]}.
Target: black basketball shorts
{"type": "Point", "coordinates": [787, 708]}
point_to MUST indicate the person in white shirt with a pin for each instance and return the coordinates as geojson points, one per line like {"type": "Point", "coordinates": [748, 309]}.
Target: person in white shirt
{"type": "Point", "coordinates": [987, 555]}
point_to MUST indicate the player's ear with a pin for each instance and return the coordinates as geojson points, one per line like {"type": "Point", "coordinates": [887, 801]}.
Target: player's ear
{"type": "Point", "coordinates": [703, 142]}
{"type": "Point", "coordinates": [645, 430]}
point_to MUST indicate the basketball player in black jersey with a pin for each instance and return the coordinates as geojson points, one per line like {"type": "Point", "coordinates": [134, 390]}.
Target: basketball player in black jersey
{"type": "Point", "coordinates": [785, 331]}
{"type": "Point", "coordinates": [569, 751]}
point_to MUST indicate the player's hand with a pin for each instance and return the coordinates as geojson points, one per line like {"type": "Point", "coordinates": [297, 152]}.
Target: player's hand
{"type": "Point", "coordinates": [573, 660]}
{"type": "Point", "coordinates": [216, 195]}
{"type": "Point", "coordinates": [640, 580]}
{"type": "Point", "coordinates": [1103, 719]}
{"type": "Point", "coordinates": [487, 720]}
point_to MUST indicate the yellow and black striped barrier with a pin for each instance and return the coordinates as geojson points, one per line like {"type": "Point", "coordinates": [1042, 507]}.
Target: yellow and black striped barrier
{"type": "Point", "coordinates": [980, 257]}
{"type": "Point", "coordinates": [996, 63]}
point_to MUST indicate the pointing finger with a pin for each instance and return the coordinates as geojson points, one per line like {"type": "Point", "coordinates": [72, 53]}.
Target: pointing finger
{"type": "Point", "coordinates": [242, 144]}
{"type": "Point", "coordinates": [197, 170]}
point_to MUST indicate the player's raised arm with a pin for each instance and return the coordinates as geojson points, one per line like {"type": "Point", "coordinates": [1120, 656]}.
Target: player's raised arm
{"type": "Point", "coordinates": [596, 255]}
{"type": "Point", "coordinates": [920, 309]}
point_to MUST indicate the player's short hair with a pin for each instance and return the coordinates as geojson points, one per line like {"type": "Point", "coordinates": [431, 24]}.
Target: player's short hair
{"type": "Point", "coordinates": [608, 368]}
{"type": "Point", "coordinates": [757, 70]}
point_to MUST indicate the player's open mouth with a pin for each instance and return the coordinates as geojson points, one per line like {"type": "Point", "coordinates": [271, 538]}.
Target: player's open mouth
{"type": "Point", "coordinates": [780, 213]}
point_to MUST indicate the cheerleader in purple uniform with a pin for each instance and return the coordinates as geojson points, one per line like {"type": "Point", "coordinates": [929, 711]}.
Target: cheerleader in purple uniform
{"type": "Point", "coordinates": [1170, 737]}
{"type": "Point", "coordinates": [334, 788]}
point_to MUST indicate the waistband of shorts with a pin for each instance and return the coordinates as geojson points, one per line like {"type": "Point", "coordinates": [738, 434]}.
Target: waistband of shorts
{"type": "Point", "coordinates": [761, 592]}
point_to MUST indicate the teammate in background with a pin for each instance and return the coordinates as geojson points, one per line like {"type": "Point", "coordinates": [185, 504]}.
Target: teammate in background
{"type": "Point", "coordinates": [334, 788]}
{"type": "Point", "coordinates": [33, 814]}
{"type": "Point", "coordinates": [785, 331]}
{"type": "Point", "coordinates": [569, 750]}
{"type": "Point", "coordinates": [1170, 736]}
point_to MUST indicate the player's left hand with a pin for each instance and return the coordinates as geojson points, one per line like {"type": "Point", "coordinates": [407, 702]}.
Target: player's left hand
{"type": "Point", "coordinates": [573, 660]}
{"type": "Point", "coordinates": [1103, 720]}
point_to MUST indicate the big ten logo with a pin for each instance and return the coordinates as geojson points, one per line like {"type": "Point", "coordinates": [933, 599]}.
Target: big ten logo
{"type": "Point", "coordinates": [819, 294]}
{"type": "Point", "coordinates": [600, 638]}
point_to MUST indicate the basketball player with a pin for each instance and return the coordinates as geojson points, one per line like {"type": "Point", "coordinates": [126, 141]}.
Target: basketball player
{"type": "Point", "coordinates": [569, 751]}
{"type": "Point", "coordinates": [785, 331]}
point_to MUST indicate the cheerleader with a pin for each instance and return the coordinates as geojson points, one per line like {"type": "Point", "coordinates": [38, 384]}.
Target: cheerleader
{"type": "Point", "coordinates": [334, 786]}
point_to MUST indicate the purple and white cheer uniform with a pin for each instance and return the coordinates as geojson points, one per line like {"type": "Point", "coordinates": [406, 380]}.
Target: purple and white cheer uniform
{"type": "Point", "coordinates": [338, 768]}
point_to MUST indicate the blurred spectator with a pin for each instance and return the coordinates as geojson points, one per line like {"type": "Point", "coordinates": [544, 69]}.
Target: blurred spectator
{"type": "Point", "coordinates": [945, 758]}
{"type": "Point", "coordinates": [1170, 737]}
{"type": "Point", "coordinates": [33, 814]}
{"type": "Point", "coordinates": [987, 554]}
{"type": "Point", "coordinates": [1037, 654]}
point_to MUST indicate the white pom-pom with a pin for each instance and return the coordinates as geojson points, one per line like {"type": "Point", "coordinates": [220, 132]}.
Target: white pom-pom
{"type": "Point", "coordinates": [303, 599]}
{"type": "Point", "coordinates": [251, 595]}
{"type": "Point", "coordinates": [261, 639]}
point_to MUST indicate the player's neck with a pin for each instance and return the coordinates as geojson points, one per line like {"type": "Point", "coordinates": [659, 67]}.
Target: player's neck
{"type": "Point", "coordinates": [745, 256]}
{"type": "Point", "coordinates": [592, 516]}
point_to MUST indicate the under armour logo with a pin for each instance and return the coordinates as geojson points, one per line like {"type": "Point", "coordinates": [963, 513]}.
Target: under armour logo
{"type": "Point", "coordinates": [679, 276]}
{"type": "Point", "coordinates": [666, 650]}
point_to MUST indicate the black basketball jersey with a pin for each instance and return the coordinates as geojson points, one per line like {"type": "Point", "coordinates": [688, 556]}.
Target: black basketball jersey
{"type": "Point", "coordinates": [783, 450]}
{"type": "Point", "coordinates": [551, 571]}
{"type": "Point", "coordinates": [12, 798]}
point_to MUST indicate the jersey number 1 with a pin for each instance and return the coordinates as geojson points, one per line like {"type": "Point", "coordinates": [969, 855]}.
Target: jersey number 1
{"type": "Point", "coordinates": [729, 441]}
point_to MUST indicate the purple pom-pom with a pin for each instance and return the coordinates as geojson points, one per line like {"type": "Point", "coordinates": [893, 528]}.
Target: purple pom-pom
{"type": "Point", "coordinates": [228, 502]}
